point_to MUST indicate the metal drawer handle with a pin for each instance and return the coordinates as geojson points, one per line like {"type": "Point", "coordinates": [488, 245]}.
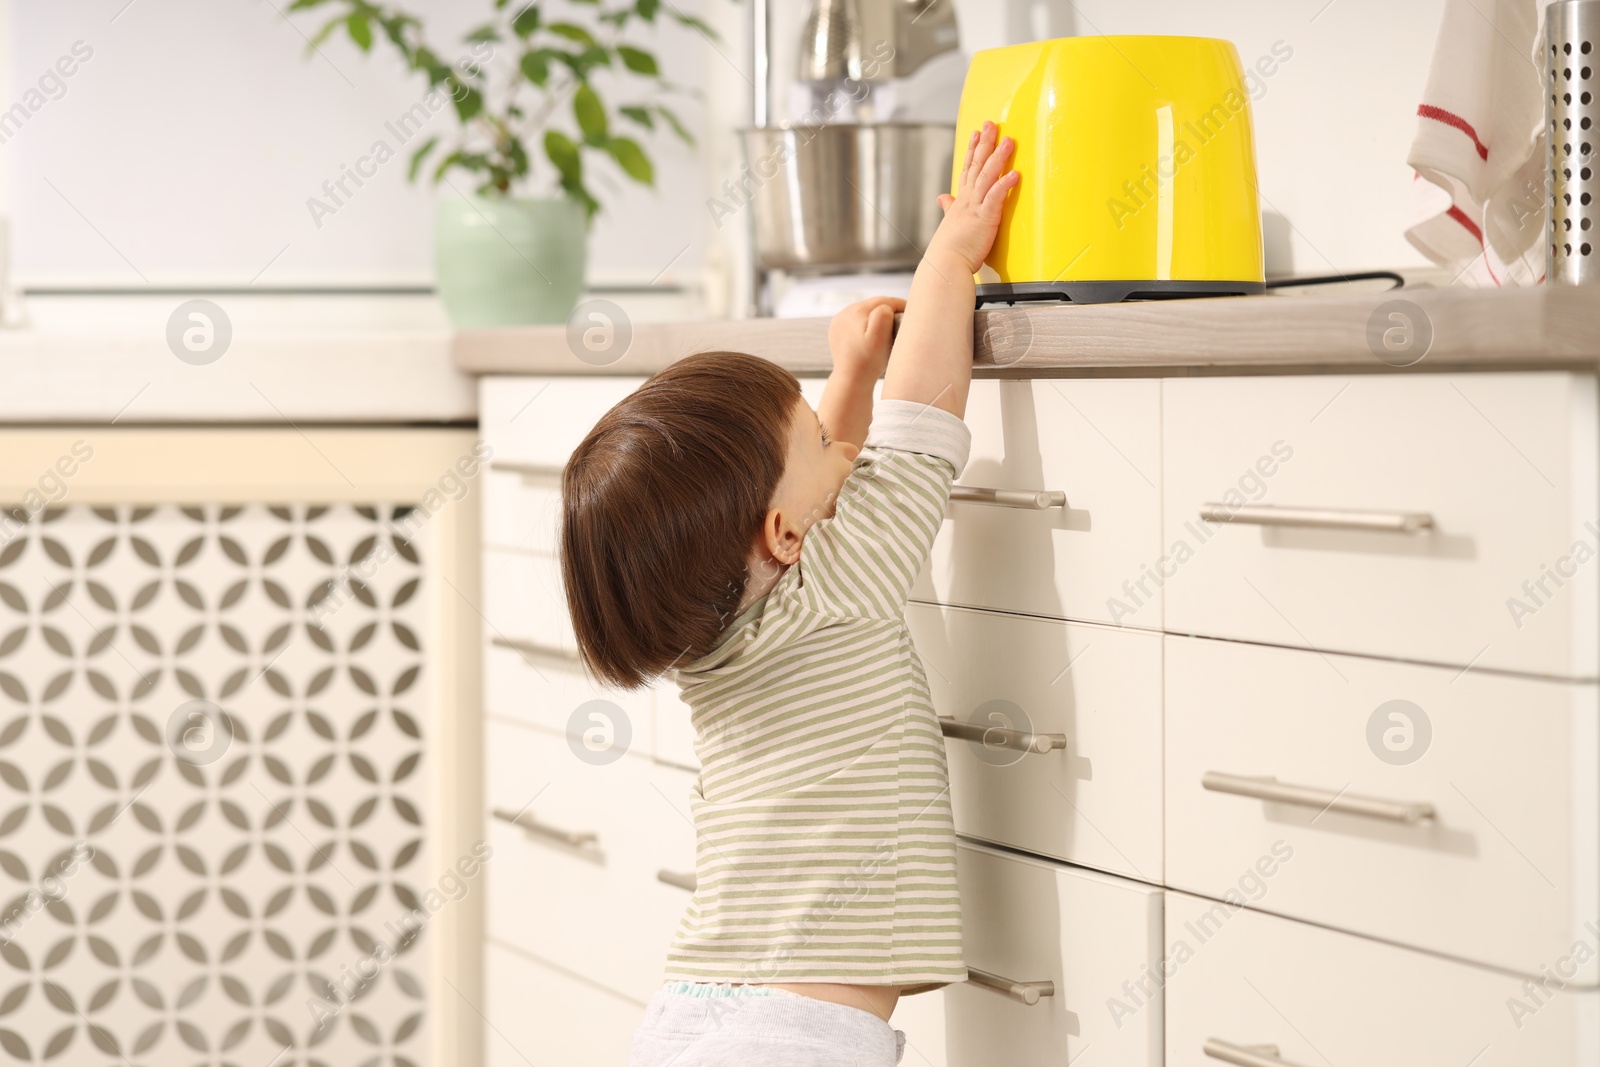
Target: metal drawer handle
{"type": "Point", "coordinates": [1022, 992]}
{"type": "Point", "coordinates": [575, 838]}
{"type": "Point", "coordinates": [527, 470]}
{"type": "Point", "coordinates": [682, 881]}
{"type": "Point", "coordinates": [1244, 1055]}
{"type": "Point", "coordinates": [1403, 811]}
{"type": "Point", "coordinates": [1406, 522]}
{"type": "Point", "coordinates": [1030, 499]}
{"type": "Point", "coordinates": [1000, 736]}
{"type": "Point", "coordinates": [533, 648]}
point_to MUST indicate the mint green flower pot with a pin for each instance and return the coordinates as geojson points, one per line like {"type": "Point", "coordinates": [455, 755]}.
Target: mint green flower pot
{"type": "Point", "coordinates": [511, 261]}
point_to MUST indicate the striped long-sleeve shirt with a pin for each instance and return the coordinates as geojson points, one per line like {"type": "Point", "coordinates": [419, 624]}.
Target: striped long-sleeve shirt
{"type": "Point", "coordinates": [825, 846]}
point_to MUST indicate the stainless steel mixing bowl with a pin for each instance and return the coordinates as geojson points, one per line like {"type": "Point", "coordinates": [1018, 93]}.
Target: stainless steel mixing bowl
{"type": "Point", "coordinates": [846, 196]}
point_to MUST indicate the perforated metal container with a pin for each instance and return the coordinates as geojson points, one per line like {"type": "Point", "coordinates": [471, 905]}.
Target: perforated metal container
{"type": "Point", "coordinates": [1572, 111]}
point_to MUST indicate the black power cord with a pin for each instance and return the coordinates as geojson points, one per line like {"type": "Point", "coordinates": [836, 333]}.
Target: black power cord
{"type": "Point", "coordinates": [1328, 279]}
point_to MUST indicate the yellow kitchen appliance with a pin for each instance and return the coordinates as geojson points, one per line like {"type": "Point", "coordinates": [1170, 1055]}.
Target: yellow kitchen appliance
{"type": "Point", "coordinates": [1137, 157]}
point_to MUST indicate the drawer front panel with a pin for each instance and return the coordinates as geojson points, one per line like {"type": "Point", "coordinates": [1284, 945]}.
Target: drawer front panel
{"type": "Point", "coordinates": [523, 599]}
{"type": "Point", "coordinates": [1504, 870]}
{"type": "Point", "coordinates": [1323, 997]}
{"type": "Point", "coordinates": [539, 421]}
{"type": "Point", "coordinates": [538, 688]}
{"type": "Point", "coordinates": [1097, 801]}
{"type": "Point", "coordinates": [1097, 441]}
{"type": "Point", "coordinates": [539, 1015]}
{"type": "Point", "coordinates": [1504, 466]}
{"type": "Point", "coordinates": [1033, 920]}
{"type": "Point", "coordinates": [522, 511]}
{"type": "Point", "coordinates": [598, 908]}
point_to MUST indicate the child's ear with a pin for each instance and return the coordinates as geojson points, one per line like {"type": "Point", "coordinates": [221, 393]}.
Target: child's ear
{"type": "Point", "coordinates": [779, 537]}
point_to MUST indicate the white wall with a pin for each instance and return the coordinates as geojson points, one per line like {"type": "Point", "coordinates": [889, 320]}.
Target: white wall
{"type": "Point", "coordinates": [184, 151]}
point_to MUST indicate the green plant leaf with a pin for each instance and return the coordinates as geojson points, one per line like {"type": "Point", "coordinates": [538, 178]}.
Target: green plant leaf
{"type": "Point", "coordinates": [473, 161]}
{"type": "Point", "coordinates": [638, 61]}
{"type": "Point", "coordinates": [467, 100]}
{"type": "Point", "coordinates": [525, 21]}
{"type": "Point", "coordinates": [418, 156]}
{"type": "Point", "coordinates": [394, 28]}
{"type": "Point", "coordinates": [573, 32]}
{"type": "Point", "coordinates": [536, 66]}
{"type": "Point", "coordinates": [695, 24]}
{"type": "Point", "coordinates": [488, 32]}
{"type": "Point", "coordinates": [306, 5]}
{"type": "Point", "coordinates": [591, 115]}
{"type": "Point", "coordinates": [322, 35]}
{"type": "Point", "coordinates": [564, 157]}
{"type": "Point", "coordinates": [641, 115]}
{"type": "Point", "coordinates": [677, 125]}
{"type": "Point", "coordinates": [631, 158]}
{"type": "Point", "coordinates": [360, 30]}
{"type": "Point", "coordinates": [518, 157]}
{"type": "Point", "coordinates": [646, 9]}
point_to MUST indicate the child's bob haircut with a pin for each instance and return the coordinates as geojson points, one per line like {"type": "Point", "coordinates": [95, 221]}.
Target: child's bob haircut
{"type": "Point", "coordinates": [660, 507]}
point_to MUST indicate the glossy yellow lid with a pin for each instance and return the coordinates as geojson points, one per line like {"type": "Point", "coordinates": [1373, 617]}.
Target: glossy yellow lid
{"type": "Point", "coordinates": [1137, 157]}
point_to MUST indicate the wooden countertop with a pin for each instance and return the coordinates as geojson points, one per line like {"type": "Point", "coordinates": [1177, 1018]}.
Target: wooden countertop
{"type": "Point", "coordinates": [1546, 327]}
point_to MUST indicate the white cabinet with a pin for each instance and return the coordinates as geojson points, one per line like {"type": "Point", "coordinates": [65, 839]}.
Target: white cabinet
{"type": "Point", "coordinates": [1031, 921]}
{"type": "Point", "coordinates": [1237, 979]}
{"type": "Point", "coordinates": [1093, 691]}
{"type": "Point", "coordinates": [541, 1016]}
{"type": "Point", "coordinates": [1097, 442]}
{"type": "Point", "coordinates": [1504, 469]}
{"type": "Point", "coordinates": [1317, 779]}
{"type": "Point", "coordinates": [1503, 869]}
{"type": "Point", "coordinates": [576, 880]}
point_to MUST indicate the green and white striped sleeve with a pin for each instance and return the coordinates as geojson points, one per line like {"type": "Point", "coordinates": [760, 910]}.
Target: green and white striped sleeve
{"type": "Point", "coordinates": [862, 561]}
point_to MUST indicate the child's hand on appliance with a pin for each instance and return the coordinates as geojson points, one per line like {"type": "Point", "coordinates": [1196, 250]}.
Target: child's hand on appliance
{"type": "Point", "coordinates": [859, 336]}
{"type": "Point", "coordinates": [972, 216]}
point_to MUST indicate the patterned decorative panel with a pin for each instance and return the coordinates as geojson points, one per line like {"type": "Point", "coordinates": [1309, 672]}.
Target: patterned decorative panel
{"type": "Point", "coordinates": [212, 799]}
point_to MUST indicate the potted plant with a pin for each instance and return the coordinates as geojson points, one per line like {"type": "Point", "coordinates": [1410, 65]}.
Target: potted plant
{"type": "Point", "coordinates": [503, 257]}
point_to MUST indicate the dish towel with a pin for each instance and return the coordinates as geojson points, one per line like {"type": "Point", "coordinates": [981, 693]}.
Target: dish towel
{"type": "Point", "coordinates": [1480, 148]}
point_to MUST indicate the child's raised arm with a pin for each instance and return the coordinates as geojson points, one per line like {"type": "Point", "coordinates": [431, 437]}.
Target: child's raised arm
{"type": "Point", "coordinates": [931, 362]}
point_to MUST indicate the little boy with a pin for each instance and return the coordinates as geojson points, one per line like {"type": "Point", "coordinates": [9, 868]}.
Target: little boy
{"type": "Point", "coordinates": [714, 525]}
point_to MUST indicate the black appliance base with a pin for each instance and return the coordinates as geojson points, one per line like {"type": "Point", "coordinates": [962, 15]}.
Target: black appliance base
{"type": "Point", "coordinates": [1110, 292]}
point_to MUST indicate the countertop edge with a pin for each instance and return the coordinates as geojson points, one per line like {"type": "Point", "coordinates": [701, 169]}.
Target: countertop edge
{"type": "Point", "coordinates": [1549, 327]}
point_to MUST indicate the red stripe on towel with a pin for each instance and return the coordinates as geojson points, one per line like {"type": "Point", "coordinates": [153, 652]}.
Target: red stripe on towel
{"type": "Point", "coordinates": [1471, 227]}
{"type": "Point", "coordinates": [1439, 114]}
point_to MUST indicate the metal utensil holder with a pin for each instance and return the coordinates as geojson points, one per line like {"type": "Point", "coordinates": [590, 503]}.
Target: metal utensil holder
{"type": "Point", "coordinates": [1572, 57]}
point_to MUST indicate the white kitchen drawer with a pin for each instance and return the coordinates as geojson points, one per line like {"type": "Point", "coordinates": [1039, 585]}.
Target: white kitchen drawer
{"type": "Point", "coordinates": [598, 910]}
{"type": "Point", "coordinates": [537, 422]}
{"type": "Point", "coordinates": [1324, 997]}
{"type": "Point", "coordinates": [541, 688]}
{"type": "Point", "coordinates": [1032, 920]}
{"type": "Point", "coordinates": [1096, 440]}
{"type": "Point", "coordinates": [1097, 801]}
{"type": "Point", "coordinates": [522, 511]}
{"type": "Point", "coordinates": [1504, 874]}
{"type": "Point", "coordinates": [542, 1017]}
{"type": "Point", "coordinates": [1507, 466]}
{"type": "Point", "coordinates": [523, 599]}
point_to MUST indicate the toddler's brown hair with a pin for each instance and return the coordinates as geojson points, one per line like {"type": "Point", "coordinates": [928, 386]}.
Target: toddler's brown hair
{"type": "Point", "coordinates": [660, 506]}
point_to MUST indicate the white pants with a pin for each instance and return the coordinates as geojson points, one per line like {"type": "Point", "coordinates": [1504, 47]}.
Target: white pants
{"type": "Point", "coordinates": [776, 1028]}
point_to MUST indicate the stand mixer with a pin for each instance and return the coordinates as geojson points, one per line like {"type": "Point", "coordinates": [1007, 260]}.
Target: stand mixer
{"type": "Point", "coordinates": [848, 182]}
